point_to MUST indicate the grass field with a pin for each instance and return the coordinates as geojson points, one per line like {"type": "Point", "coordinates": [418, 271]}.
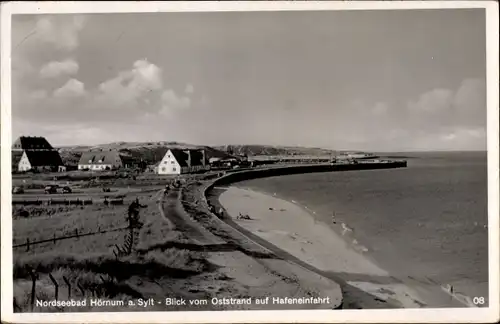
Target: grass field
{"type": "Point", "coordinates": [88, 262]}
{"type": "Point", "coordinates": [44, 222]}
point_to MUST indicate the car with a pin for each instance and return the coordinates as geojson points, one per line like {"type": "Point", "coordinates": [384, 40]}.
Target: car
{"type": "Point", "coordinates": [17, 190]}
{"type": "Point", "coordinates": [67, 190]}
{"type": "Point", "coordinates": [51, 189]}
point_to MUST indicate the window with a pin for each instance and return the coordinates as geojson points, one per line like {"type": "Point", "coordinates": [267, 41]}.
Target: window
{"type": "Point", "coordinates": [163, 169]}
{"type": "Point", "coordinates": [168, 155]}
{"type": "Point", "coordinates": [174, 169]}
{"type": "Point", "coordinates": [172, 162]}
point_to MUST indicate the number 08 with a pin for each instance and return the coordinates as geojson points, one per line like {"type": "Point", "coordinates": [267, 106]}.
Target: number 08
{"type": "Point", "coordinates": [478, 300]}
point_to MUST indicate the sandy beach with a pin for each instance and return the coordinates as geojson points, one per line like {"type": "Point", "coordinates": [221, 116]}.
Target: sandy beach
{"type": "Point", "coordinates": [333, 253]}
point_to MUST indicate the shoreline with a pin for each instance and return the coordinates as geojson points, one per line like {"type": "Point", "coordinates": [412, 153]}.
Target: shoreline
{"type": "Point", "coordinates": [303, 236]}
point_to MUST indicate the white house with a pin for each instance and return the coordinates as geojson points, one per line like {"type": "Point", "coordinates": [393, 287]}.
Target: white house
{"type": "Point", "coordinates": [40, 160]}
{"type": "Point", "coordinates": [35, 153]}
{"type": "Point", "coordinates": [178, 161]}
{"type": "Point", "coordinates": [100, 160]}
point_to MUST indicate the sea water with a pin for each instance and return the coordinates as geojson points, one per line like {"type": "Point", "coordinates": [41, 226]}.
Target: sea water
{"type": "Point", "coordinates": [427, 221]}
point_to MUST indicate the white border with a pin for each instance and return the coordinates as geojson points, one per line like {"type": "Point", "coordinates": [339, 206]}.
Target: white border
{"type": "Point", "coordinates": [459, 315]}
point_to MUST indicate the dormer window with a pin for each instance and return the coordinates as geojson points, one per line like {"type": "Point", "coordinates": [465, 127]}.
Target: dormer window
{"type": "Point", "coordinates": [100, 161]}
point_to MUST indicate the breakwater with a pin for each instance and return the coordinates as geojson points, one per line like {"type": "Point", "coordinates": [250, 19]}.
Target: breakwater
{"type": "Point", "coordinates": [250, 174]}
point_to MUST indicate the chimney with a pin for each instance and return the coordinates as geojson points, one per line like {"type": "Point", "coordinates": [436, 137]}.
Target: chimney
{"type": "Point", "coordinates": [188, 152]}
{"type": "Point", "coordinates": [203, 158]}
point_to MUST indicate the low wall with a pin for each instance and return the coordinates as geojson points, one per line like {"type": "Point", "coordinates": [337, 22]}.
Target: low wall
{"type": "Point", "coordinates": [243, 175]}
{"type": "Point", "coordinates": [299, 169]}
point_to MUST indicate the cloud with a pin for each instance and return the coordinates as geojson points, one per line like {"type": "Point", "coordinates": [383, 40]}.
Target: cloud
{"type": "Point", "coordinates": [465, 106]}
{"type": "Point", "coordinates": [54, 69]}
{"type": "Point", "coordinates": [469, 101]}
{"type": "Point", "coordinates": [380, 108]}
{"type": "Point", "coordinates": [130, 85]}
{"type": "Point", "coordinates": [438, 119]}
{"type": "Point", "coordinates": [72, 88]}
{"type": "Point", "coordinates": [189, 89]}
{"type": "Point", "coordinates": [464, 134]}
{"type": "Point", "coordinates": [38, 95]}
{"type": "Point", "coordinates": [61, 31]}
{"type": "Point", "coordinates": [434, 101]}
{"type": "Point", "coordinates": [171, 102]}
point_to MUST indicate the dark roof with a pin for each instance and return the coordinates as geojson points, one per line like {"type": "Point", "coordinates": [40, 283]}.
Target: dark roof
{"type": "Point", "coordinates": [99, 157]}
{"type": "Point", "coordinates": [182, 157]}
{"type": "Point", "coordinates": [44, 158]}
{"type": "Point", "coordinates": [197, 157]}
{"type": "Point", "coordinates": [32, 143]}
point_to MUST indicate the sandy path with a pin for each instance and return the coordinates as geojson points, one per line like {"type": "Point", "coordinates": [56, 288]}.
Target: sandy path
{"type": "Point", "coordinates": [292, 229]}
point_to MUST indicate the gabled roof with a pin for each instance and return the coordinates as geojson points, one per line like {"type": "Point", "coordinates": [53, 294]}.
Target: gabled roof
{"type": "Point", "coordinates": [181, 156]}
{"type": "Point", "coordinates": [99, 157]}
{"type": "Point", "coordinates": [32, 143]}
{"type": "Point", "coordinates": [44, 158]}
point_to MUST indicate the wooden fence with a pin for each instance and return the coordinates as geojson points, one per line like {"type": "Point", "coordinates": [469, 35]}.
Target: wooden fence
{"type": "Point", "coordinates": [96, 291]}
{"type": "Point", "coordinates": [39, 202]}
{"type": "Point", "coordinates": [68, 202]}
{"type": "Point", "coordinates": [75, 234]}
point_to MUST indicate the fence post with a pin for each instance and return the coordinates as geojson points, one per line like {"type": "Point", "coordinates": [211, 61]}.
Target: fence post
{"type": "Point", "coordinates": [54, 238]}
{"type": "Point", "coordinates": [69, 286]}
{"type": "Point", "coordinates": [81, 289]}
{"type": "Point", "coordinates": [131, 240]}
{"type": "Point", "coordinates": [76, 233]}
{"type": "Point", "coordinates": [56, 286]}
{"type": "Point", "coordinates": [16, 305]}
{"type": "Point", "coordinates": [27, 244]}
{"type": "Point", "coordinates": [33, 288]}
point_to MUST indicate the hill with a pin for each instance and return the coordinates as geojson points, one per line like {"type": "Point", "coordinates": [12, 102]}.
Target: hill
{"type": "Point", "coordinates": [254, 150]}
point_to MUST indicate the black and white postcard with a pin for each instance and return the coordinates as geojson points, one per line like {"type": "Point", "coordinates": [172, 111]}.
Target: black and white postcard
{"type": "Point", "coordinates": [250, 162]}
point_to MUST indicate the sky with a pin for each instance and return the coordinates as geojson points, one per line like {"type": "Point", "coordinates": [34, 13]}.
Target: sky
{"type": "Point", "coordinates": [402, 80]}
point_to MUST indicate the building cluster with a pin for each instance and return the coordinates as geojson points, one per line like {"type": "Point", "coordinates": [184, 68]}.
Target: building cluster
{"type": "Point", "coordinates": [37, 155]}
